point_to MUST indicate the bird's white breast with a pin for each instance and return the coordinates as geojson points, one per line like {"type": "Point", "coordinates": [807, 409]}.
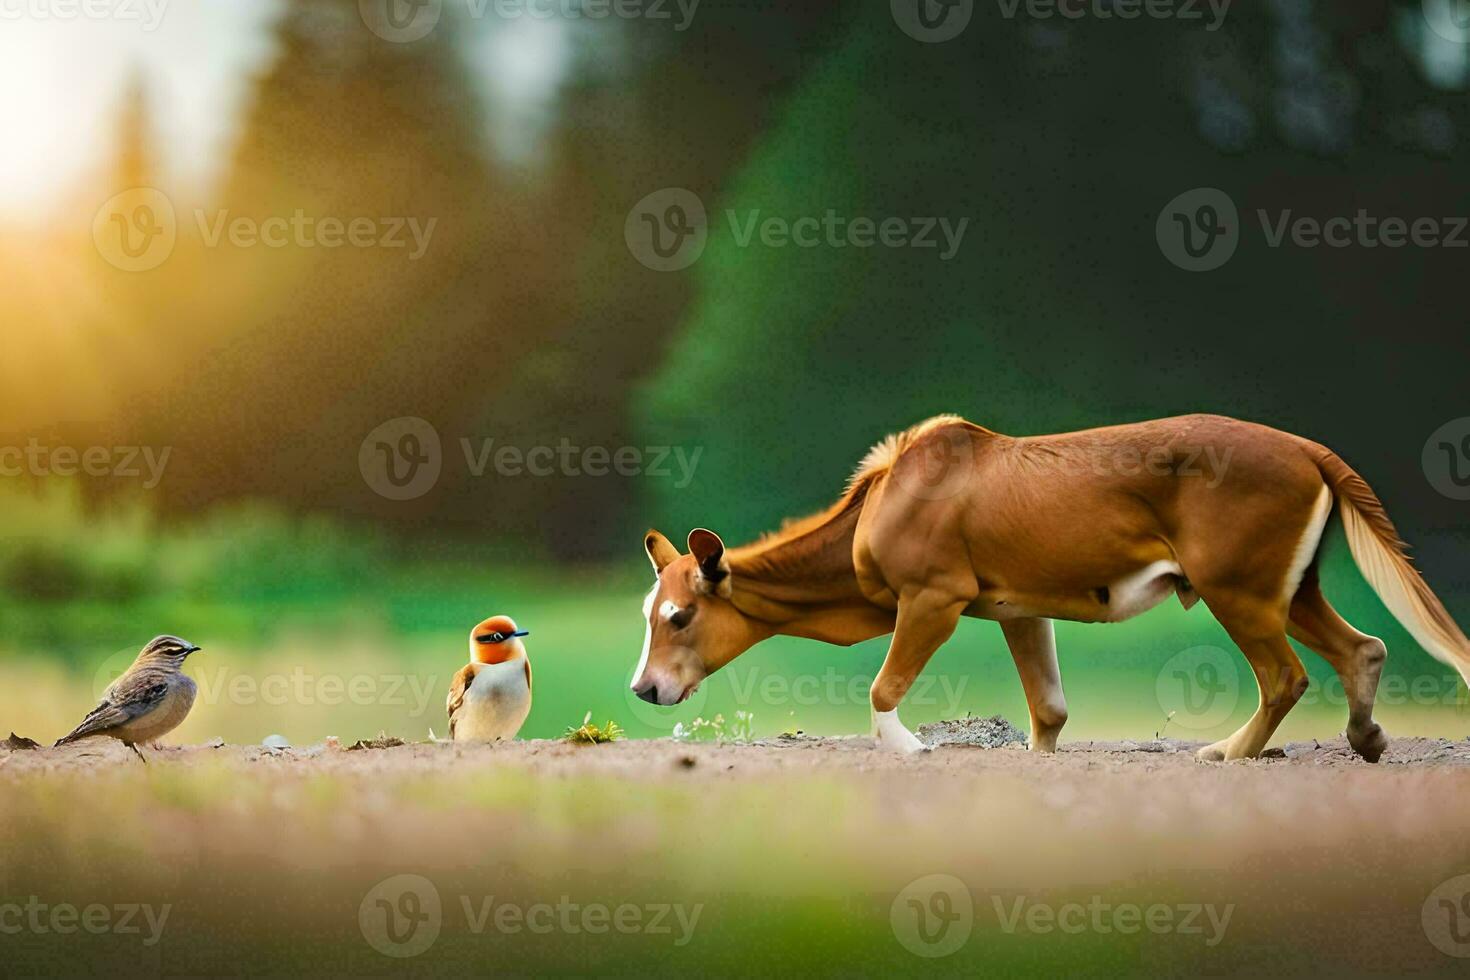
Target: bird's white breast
{"type": "Point", "coordinates": [496, 704]}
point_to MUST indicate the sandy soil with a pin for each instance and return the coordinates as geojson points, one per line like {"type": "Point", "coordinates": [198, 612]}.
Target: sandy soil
{"type": "Point", "coordinates": [1324, 863]}
{"type": "Point", "coordinates": [951, 753]}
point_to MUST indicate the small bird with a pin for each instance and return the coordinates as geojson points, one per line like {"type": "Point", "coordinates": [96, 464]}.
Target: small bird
{"type": "Point", "coordinates": [490, 697]}
{"type": "Point", "coordinates": [149, 700]}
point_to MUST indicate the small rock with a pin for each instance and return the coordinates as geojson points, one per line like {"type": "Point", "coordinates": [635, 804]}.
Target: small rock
{"type": "Point", "coordinates": [215, 743]}
{"type": "Point", "coordinates": [686, 762]}
{"type": "Point", "coordinates": [19, 742]}
{"type": "Point", "coordinates": [275, 742]}
{"type": "Point", "coordinates": [383, 741]}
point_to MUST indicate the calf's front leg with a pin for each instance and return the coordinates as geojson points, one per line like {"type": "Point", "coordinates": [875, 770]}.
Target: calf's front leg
{"type": "Point", "coordinates": [925, 620]}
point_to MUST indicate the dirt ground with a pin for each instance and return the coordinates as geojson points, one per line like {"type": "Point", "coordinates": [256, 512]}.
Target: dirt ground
{"type": "Point", "coordinates": [1321, 862]}
{"type": "Point", "coordinates": [953, 745]}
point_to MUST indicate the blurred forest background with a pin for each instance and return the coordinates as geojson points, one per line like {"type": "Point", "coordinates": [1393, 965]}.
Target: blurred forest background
{"type": "Point", "coordinates": [528, 319]}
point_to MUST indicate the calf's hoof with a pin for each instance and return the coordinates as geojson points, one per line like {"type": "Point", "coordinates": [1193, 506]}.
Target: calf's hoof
{"type": "Point", "coordinates": [893, 737]}
{"type": "Point", "coordinates": [1369, 742]}
{"type": "Point", "coordinates": [1211, 753]}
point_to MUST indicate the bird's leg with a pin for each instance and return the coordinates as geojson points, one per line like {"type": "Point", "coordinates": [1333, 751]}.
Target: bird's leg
{"type": "Point", "coordinates": [139, 752]}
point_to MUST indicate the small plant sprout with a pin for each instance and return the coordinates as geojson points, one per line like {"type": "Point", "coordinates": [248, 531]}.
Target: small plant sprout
{"type": "Point", "coordinates": [1167, 718]}
{"type": "Point", "coordinates": [743, 729]}
{"type": "Point", "coordinates": [590, 734]}
{"type": "Point", "coordinates": [705, 730]}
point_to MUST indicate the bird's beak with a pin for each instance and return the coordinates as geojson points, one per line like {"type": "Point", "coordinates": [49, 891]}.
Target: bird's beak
{"type": "Point", "coordinates": [192, 649]}
{"type": "Point", "coordinates": [521, 633]}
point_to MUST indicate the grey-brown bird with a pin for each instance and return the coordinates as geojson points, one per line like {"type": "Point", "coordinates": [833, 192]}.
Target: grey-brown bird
{"type": "Point", "coordinates": [149, 700]}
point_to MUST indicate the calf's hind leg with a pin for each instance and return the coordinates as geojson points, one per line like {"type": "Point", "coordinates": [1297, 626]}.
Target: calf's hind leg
{"type": "Point", "coordinates": [1260, 632]}
{"type": "Point", "coordinates": [1357, 657]}
{"type": "Point", "coordinates": [1033, 644]}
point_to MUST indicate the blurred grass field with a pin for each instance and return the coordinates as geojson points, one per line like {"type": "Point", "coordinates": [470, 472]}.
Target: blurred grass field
{"type": "Point", "coordinates": [310, 629]}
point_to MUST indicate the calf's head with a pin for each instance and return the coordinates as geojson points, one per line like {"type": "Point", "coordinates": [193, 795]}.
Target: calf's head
{"type": "Point", "coordinates": [693, 629]}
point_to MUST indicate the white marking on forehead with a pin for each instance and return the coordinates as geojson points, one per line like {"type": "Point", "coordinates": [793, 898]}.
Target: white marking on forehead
{"type": "Point", "coordinates": [669, 609]}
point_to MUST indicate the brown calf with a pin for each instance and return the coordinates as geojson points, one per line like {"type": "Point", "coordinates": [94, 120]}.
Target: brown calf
{"type": "Point", "coordinates": [948, 519]}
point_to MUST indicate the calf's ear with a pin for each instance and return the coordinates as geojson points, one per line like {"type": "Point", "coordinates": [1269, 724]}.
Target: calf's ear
{"type": "Point", "coordinates": [660, 550]}
{"type": "Point", "coordinates": [709, 551]}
